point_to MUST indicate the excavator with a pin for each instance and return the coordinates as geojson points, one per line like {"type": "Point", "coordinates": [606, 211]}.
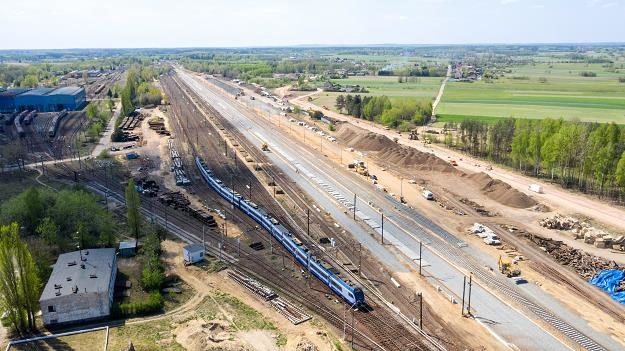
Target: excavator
{"type": "Point", "coordinates": [505, 267]}
{"type": "Point", "coordinates": [264, 147]}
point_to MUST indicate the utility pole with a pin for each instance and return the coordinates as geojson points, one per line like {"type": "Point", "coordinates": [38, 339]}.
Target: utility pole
{"type": "Point", "coordinates": [420, 256]}
{"type": "Point", "coordinates": [382, 228]}
{"type": "Point", "coordinates": [308, 221]}
{"type": "Point", "coordinates": [464, 286]}
{"type": "Point", "coordinates": [470, 284]}
{"type": "Point", "coordinates": [354, 206]}
{"type": "Point", "coordinates": [359, 259]}
{"type": "Point", "coordinates": [203, 242]}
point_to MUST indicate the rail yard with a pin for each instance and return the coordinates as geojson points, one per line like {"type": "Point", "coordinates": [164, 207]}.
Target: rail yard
{"type": "Point", "coordinates": [245, 217]}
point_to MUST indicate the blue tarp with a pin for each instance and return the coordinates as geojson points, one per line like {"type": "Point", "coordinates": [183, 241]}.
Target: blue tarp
{"type": "Point", "coordinates": [607, 280]}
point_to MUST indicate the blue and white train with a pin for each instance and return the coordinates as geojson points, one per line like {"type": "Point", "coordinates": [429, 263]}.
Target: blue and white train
{"type": "Point", "coordinates": [353, 295]}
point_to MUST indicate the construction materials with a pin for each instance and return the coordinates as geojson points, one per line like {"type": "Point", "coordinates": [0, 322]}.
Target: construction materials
{"type": "Point", "coordinates": [536, 188]}
{"type": "Point", "coordinates": [583, 230]}
{"type": "Point", "coordinates": [611, 281]}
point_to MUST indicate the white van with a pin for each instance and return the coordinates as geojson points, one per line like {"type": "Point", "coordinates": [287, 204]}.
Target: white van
{"type": "Point", "coordinates": [428, 195]}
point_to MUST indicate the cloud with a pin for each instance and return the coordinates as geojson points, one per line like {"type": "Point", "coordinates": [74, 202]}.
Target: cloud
{"type": "Point", "coordinates": [506, 2]}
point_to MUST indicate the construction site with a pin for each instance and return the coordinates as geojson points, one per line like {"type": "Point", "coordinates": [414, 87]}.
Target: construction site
{"type": "Point", "coordinates": [448, 258]}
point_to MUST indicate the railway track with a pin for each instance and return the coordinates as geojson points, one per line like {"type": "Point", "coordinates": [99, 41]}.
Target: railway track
{"type": "Point", "coordinates": [246, 260]}
{"type": "Point", "coordinates": [396, 339]}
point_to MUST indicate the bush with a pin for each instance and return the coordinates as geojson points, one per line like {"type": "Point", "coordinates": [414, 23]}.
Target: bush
{"type": "Point", "coordinates": [587, 74]}
{"type": "Point", "coordinates": [154, 304]}
{"type": "Point", "coordinates": [621, 79]}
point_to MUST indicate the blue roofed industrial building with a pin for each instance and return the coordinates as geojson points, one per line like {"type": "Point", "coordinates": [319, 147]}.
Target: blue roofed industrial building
{"type": "Point", "coordinates": [42, 99]}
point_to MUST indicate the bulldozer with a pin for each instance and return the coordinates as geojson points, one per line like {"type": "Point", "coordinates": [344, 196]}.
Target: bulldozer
{"type": "Point", "coordinates": [505, 267]}
{"type": "Point", "coordinates": [264, 147]}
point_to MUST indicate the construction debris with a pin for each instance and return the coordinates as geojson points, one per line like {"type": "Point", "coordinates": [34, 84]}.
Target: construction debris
{"type": "Point", "coordinates": [586, 265]}
{"type": "Point", "coordinates": [583, 230]}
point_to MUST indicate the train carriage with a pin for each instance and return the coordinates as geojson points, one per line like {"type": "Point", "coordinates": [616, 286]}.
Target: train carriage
{"type": "Point", "coordinates": [352, 295]}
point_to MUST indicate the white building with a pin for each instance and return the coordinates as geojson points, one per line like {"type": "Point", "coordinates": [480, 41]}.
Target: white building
{"type": "Point", "coordinates": [193, 253]}
{"type": "Point", "coordinates": [80, 288]}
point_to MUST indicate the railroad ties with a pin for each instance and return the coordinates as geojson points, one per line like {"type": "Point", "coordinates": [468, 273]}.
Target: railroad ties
{"type": "Point", "coordinates": [291, 312]}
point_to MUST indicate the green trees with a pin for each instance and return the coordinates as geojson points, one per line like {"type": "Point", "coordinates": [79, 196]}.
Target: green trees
{"type": "Point", "coordinates": [153, 273]}
{"type": "Point", "coordinates": [403, 114]}
{"type": "Point", "coordinates": [586, 156]}
{"type": "Point", "coordinates": [55, 217]}
{"type": "Point", "coordinates": [19, 283]}
{"type": "Point", "coordinates": [133, 204]}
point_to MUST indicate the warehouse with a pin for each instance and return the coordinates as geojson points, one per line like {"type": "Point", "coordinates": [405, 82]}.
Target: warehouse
{"type": "Point", "coordinates": [42, 99]}
{"type": "Point", "coordinates": [80, 287]}
{"type": "Point", "coordinates": [7, 99]}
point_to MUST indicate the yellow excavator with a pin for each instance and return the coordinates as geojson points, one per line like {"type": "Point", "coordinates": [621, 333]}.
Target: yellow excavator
{"type": "Point", "coordinates": [505, 267]}
{"type": "Point", "coordinates": [264, 147]}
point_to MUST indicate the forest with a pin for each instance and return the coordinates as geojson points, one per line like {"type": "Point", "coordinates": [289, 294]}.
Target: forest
{"type": "Point", "coordinates": [402, 114]}
{"type": "Point", "coordinates": [589, 157]}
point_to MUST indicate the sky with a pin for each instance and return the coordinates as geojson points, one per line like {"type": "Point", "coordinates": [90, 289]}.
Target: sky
{"type": "Point", "coordinates": [61, 24]}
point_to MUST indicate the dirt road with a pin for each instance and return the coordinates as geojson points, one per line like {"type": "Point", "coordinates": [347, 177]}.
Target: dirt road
{"type": "Point", "coordinates": [553, 196]}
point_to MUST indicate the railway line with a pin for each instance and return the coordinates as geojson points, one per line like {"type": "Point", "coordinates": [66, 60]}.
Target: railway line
{"type": "Point", "coordinates": [262, 197]}
{"type": "Point", "coordinates": [445, 245]}
{"type": "Point", "coordinates": [245, 260]}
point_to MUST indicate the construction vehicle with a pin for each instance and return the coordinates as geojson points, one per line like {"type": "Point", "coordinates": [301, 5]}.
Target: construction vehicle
{"type": "Point", "coordinates": [505, 267]}
{"type": "Point", "coordinates": [413, 135]}
{"type": "Point", "coordinates": [453, 163]}
{"type": "Point", "coordinates": [264, 147]}
{"type": "Point", "coordinates": [361, 168]}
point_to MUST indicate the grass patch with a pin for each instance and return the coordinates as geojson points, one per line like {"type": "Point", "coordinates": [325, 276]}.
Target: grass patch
{"type": "Point", "coordinates": [154, 335]}
{"type": "Point", "coordinates": [78, 342]}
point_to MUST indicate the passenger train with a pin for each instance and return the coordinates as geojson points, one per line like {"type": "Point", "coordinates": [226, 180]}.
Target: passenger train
{"type": "Point", "coordinates": [353, 295]}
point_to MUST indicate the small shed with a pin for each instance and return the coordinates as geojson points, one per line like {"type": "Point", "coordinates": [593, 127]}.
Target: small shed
{"type": "Point", "coordinates": [127, 248]}
{"type": "Point", "coordinates": [193, 253]}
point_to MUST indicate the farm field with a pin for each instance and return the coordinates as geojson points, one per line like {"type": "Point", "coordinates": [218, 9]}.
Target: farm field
{"type": "Point", "coordinates": [420, 88]}
{"type": "Point", "coordinates": [539, 91]}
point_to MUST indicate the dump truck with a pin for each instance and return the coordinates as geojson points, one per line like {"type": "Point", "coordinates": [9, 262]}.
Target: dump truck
{"type": "Point", "coordinates": [505, 267]}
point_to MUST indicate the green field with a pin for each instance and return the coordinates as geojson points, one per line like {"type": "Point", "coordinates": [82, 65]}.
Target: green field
{"type": "Point", "coordinates": [562, 94]}
{"type": "Point", "coordinates": [421, 88]}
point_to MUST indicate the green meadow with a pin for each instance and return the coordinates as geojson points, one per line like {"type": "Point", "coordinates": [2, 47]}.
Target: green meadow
{"type": "Point", "coordinates": [538, 91]}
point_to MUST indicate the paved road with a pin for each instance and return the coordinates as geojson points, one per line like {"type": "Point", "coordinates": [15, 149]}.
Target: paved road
{"type": "Point", "coordinates": [317, 177]}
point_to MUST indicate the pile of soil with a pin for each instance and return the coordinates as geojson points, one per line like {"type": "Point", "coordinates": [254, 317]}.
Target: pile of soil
{"type": "Point", "coordinates": [501, 192]}
{"type": "Point", "coordinates": [197, 335]}
{"type": "Point", "coordinates": [388, 151]}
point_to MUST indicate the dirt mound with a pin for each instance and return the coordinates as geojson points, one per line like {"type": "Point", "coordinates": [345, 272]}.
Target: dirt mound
{"type": "Point", "coordinates": [501, 192]}
{"type": "Point", "coordinates": [197, 335]}
{"type": "Point", "coordinates": [388, 151]}
{"type": "Point", "coordinates": [363, 140]}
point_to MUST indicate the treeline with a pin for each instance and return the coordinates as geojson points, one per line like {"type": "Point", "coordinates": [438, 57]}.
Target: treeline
{"type": "Point", "coordinates": [62, 219]}
{"type": "Point", "coordinates": [589, 157]}
{"type": "Point", "coordinates": [138, 92]}
{"type": "Point", "coordinates": [419, 71]}
{"type": "Point", "coordinates": [402, 114]}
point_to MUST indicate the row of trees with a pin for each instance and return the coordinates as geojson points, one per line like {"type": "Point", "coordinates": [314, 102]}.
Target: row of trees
{"type": "Point", "coordinates": [586, 156]}
{"type": "Point", "coordinates": [401, 114]}
{"type": "Point", "coordinates": [19, 283]}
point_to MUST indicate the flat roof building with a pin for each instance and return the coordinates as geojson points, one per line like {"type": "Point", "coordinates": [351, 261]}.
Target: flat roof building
{"type": "Point", "coordinates": [43, 99]}
{"type": "Point", "coordinates": [80, 287]}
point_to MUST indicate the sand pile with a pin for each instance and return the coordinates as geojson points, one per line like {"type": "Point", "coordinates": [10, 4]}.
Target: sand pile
{"type": "Point", "coordinates": [501, 192]}
{"type": "Point", "coordinates": [390, 152]}
{"type": "Point", "coordinates": [362, 140]}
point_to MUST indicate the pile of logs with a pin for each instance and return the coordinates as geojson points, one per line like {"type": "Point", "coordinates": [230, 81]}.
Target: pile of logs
{"type": "Point", "coordinates": [586, 265]}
